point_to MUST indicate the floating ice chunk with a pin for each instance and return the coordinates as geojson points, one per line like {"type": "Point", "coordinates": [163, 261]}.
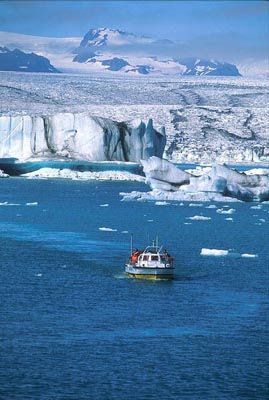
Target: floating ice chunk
{"type": "Point", "coordinates": [3, 175]}
{"type": "Point", "coordinates": [124, 231]}
{"type": "Point", "coordinates": [161, 203]}
{"type": "Point", "coordinates": [212, 206]}
{"type": "Point", "coordinates": [104, 205]}
{"type": "Point", "coordinates": [229, 219]}
{"type": "Point", "coordinates": [87, 175]}
{"type": "Point", "coordinates": [206, 183]}
{"type": "Point", "coordinates": [195, 205]}
{"type": "Point", "coordinates": [214, 252]}
{"type": "Point", "coordinates": [6, 203]}
{"type": "Point", "coordinates": [262, 220]}
{"type": "Point", "coordinates": [159, 171]}
{"type": "Point", "coordinates": [258, 207]}
{"type": "Point", "coordinates": [221, 211]}
{"type": "Point", "coordinates": [105, 229]}
{"type": "Point", "coordinates": [35, 203]}
{"type": "Point", "coordinates": [170, 183]}
{"type": "Point", "coordinates": [246, 255]}
{"type": "Point", "coordinates": [199, 218]}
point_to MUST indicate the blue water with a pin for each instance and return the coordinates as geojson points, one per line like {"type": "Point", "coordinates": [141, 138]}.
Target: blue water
{"type": "Point", "coordinates": [74, 327]}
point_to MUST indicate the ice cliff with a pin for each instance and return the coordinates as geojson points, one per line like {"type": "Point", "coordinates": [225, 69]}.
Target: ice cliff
{"type": "Point", "coordinates": [218, 183]}
{"type": "Point", "coordinates": [79, 136]}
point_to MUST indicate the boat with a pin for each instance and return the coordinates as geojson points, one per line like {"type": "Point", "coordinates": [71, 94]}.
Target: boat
{"type": "Point", "coordinates": [153, 262]}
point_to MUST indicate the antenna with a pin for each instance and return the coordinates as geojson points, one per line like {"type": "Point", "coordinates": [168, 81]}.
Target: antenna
{"type": "Point", "coordinates": [157, 239]}
{"type": "Point", "coordinates": [131, 243]}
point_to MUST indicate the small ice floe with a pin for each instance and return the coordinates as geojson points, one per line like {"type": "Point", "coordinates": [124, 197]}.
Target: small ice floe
{"type": "Point", "coordinates": [105, 229]}
{"type": "Point", "coordinates": [38, 275]}
{"type": "Point", "coordinates": [214, 252]}
{"type": "Point", "coordinates": [258, 207]}
{"type": "Point", "coordinates": [246, 255]}
{"type": "Point", "coordinates": [199, 218]}
{"type": "Point", "coordinates": [212, 206]}
{"type": "Point", "coordinates": [104, 205]}
{"type": "Point", "coordinates": [6, 203]}
{"type": "Point", "coordinates": [124, 231]}
{"type": "Point", "coordinates": [195, 205]}
{"type": "Point", "coordinates": [3, 175]}
{"type": "Point", "coordinates": [150, 220]}
{"type": "Point", "coordinates": [262, 220]}
{"type": "Point", "coordinates": [221, 211]}
{"type": "Point", "coordinates": [161, 203]}
{"type": "Point", "coordinates": [187, 223]}
{"type": "Point", "coordinates": [229, 219]}
{"type": "Point", "coordinates": [35, 203]}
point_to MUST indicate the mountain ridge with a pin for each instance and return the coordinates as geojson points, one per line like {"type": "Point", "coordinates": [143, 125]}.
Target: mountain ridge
{"type": "Point", "coordinates": [113, 51]}
{"type": "Point", "coordinates": [17, 60]}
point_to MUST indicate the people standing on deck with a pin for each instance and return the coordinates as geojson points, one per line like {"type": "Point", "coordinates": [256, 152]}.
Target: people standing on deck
{"type": "Point", "coordinates": [169, 257]}
{"type": "Point", "coordinates": [135, 255]}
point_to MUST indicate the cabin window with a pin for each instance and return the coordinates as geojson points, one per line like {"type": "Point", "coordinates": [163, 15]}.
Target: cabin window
{"type": "Point", "coordinates": [145, 258]}
{"type": "Point", "coordinates": [154, 258]}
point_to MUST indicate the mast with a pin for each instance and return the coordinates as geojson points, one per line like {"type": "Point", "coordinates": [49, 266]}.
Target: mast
{"type": "Point", "coordinates": [131, 243]}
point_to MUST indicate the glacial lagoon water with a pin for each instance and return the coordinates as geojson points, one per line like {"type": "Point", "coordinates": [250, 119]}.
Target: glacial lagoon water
{"type": "Point", "coordinates": [73, 326]}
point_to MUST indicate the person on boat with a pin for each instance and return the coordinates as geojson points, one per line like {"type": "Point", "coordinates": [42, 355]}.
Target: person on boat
{"type": "Point", "coordinates": [169, 257]}
{"type": "Point", "coordinates": [135, 255]}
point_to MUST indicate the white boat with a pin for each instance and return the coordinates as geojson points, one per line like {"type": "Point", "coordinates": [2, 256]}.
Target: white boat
{"type": "Point", "coordinates": [151, 263]}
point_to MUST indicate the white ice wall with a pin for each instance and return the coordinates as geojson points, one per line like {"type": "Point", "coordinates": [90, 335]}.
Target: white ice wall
{"type": "Point", "coordinates": [79, 136]}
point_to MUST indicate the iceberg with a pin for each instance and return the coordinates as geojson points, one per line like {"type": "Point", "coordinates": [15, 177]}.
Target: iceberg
{"type": "Point", "coordinates": [79, 136]}
{"type": "Point", "coordinates": [214, 252]}
{"type": "Point", "coordinates": [162, 174]}
{"type": "Point", "coordinates": [218, 184]}
{"type": "Point", "coordinates": [65, 173]}
{"type": "Point", "coordinates": [3, 175]}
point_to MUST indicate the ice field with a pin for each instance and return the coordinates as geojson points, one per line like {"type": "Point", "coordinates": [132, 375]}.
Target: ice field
{"type": "Point", "coordinates": [224, 119]}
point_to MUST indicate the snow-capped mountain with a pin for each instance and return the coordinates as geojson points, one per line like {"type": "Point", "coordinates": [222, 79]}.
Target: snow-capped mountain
{"type": "Point", "coordinates": [17, 60]}
{"type": "Point", "coordinates": [115, 50]}
{"type": "Point", "coordinates": [111, 51]}
{"type": "Point", "coordinates": [195, 66]}
{"type": "Point", "coordinates": [115, 37]}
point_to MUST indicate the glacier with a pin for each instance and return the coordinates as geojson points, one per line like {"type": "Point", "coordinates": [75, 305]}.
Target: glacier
{"type": "Point", "coordinates": [79, 136]}
{"type": "Point", "coordinates": [219, 183]}
{"type": "Point", "coordinates": [205, 119]}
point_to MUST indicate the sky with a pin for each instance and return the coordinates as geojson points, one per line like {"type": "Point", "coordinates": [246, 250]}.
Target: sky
{"type": "Point", "coordinates": [237, 30]}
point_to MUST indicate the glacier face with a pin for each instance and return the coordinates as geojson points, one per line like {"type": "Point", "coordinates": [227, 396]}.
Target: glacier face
{"type": "Point", "coordinates": [79, 136]}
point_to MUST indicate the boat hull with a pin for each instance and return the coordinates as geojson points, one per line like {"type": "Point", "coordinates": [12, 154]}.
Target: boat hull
{"type": "Point", "coordinates": [149, 273]}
